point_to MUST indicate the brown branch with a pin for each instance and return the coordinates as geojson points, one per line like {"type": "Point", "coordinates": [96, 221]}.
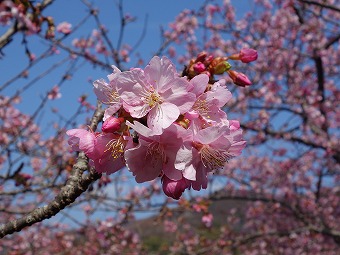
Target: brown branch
{"type": "Point", "coordinates": [7, 36]}
{"type": "Point", "coordinates": [327, 6]}
{"type": "Point", "coordinates": [331, 41]}
{"type": "Point", "coordinates": [75, 186]}
{"type": "Point", "coordinates": [321, 88]}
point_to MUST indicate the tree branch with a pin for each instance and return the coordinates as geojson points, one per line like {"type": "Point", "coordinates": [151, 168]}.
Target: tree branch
{"type": "Point", "coordinates": [75, 186]}
{"type": "Point", "coordinates": [7, 36]}
{"type": "Point", "coordinates": [327, 6]}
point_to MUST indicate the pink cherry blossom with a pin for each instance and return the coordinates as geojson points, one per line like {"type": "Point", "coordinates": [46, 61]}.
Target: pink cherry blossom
{"type": "Point", "coordinates": [207, 220]}
{"type": "Point", "coordinates": [106, 150]}
{"type": "Point", "coordinates": [64, 27]}
{"type": "Point", "coordinates": [208, 104]}
{"type": "Point", "coordinates": [107, 93]}
{"type": "Point", "coordinates": [156, 92]}
{"type": "Point", "coordinates": [207, 150]}
{"type": "Point", "coordinates": [82, 140]}
{"type": "Point", "coordinates": [155, 154]}
{"type": "Point", "coordinates": [110, 153]}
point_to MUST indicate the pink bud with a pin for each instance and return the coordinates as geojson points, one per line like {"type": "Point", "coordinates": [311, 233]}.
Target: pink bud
{"type": "Point", "coordinates": [172, 188]}
{"type": "Point", "coordinates": [199, 67]}
{"type": "Point", "coordinates": [239, 79]}
{"type": "Point", "coordinates": [201, 57]}
{"type": "Point", "coordinates": [112, 124]}
{"type": "Point", "coordinates": [248, 55]}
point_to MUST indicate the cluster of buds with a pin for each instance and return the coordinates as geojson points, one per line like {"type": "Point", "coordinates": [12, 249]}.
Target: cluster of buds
{"type": "Point", "coordinates": [161, 125]}
{"type": "Point", "coordinates": [210, 65]}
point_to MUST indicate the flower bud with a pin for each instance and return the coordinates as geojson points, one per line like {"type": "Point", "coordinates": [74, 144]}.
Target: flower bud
{"type": "Point", "coordinates": [112, 124]}
{"type": "Point", "coordinates": [222, 67]}
{"type": "Point", "coordinates": [239, 79]}
{"type": "Point", "coordinates": [248, 55]}
{"type": "Point", "coordinates": [199, 67]}
{"type": "Point", "coordinates": [208, 60]}
{"type": "Point", "coordinates": [201, 56]}
{"type": "Point", "coordinates": [172, 188]}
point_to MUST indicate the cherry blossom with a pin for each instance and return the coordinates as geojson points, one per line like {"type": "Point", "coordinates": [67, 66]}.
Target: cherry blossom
{"type": "Point", "coordinates": [155, 154]}
{"type": "Point", "coordinates": [178, 131]}
{"type": "Point", "coordinates": [207, 150]}
{"type": "Point", "coordinates": [156, 91]}
{"type": "Point", "coordinates": [64, 27]}
{"type": "Point", "coordinates": [208, 104]}
{"type": "Point", "coordinates": [107, 93]}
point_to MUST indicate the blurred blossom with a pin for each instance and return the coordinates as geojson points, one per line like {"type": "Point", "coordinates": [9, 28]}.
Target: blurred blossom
{"type": "Point", "coordinates": [64, 27]}
{"type": "Point", "coordinates": [54, 93]}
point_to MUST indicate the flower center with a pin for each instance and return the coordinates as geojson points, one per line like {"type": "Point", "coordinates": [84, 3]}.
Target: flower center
{"type": "Point", "coordinates": [153, 98]}
{"type": "Point", "coordinates": [156, 151]}
{"type": "Point", "coordinates": [112, 95]}
{"type": "Point", "coordinates": [201, 107]}
{"type": "Point", "coordinates": [116, 147]}
{"type": "Point", "coordinates": [212, 158]}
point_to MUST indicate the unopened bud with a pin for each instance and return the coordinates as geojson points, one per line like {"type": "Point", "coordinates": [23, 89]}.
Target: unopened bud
{"type": "Point", "coordinates": [112, 124]}
{"type": "Point", "coordinates": [208, 60]}
{"type": "Point", "coordinates": [239, 79]}
{"type": "Point", "coordinates": [172, 188]}
{"type": "Point", "coordinates": [248, 55]}
{"type": "Point", "coordinates": [201, 56]}
{"type": "Point", "coordinates": [222, 67]}
{"type": "Point", "coordinates": [199, 67]}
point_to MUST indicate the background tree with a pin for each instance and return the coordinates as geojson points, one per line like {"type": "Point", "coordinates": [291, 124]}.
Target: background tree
{"type": "Point", "coordinates": [286, 179]}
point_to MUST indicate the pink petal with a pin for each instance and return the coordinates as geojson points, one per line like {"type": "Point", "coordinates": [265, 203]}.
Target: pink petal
{"type": "Point", "coordinates": [144, 166]}
{"type": "Point", "coordinates": [160, 73]}
{"type": "Point", "coordinates": [184, 156]}
{"type": "Point", "coordinates": [236, 148]}
{"type": "Point", "coordinates": [111, 110]}
{"type": "Point", "coordinates": [199, 83]}
{"type": "Point", "coordinates": [162, 116]}
{"type": "Point", "coordinates": [219, 95]}
{"type": "Point", "coordinates": [179, 96]}
{"type": "Point", "coordinates": [190, 173]}
{"type": "Point", "coordinates": [101, 88]}
{"type": "Point", "coordinates": [140, 128]}
{"type": "Point", "coordinates": [108, 164]}
{"type": "Point", "coordinates": [171, 172]}
{"type": "Point", "coordinates": [210, 134]}
{"type": "Point", "coordinates": [86, 141]}
{"type": "Point", "coordinates": [201, 179]}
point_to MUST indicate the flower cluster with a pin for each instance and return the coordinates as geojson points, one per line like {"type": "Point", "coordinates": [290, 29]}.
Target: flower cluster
{"type": "Point", "coordinates": [159, 124]}
{"type": "Point", "coordinates": [211, 65]}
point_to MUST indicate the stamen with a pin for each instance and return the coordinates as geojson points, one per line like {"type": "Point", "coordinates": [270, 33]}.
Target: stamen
{"type": "Point", "coordinates": [212, 158]}
{"type": "Point", "coordinates": [202, 107]}
{"type": "Point", "coordinates": [153, 99]}
{"type": "Point", "coordinates": [155, 150]}
{"type": "Point", "coordinates": [112, 95]}
{"type": "Point", "coordinates": [116, 146]}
